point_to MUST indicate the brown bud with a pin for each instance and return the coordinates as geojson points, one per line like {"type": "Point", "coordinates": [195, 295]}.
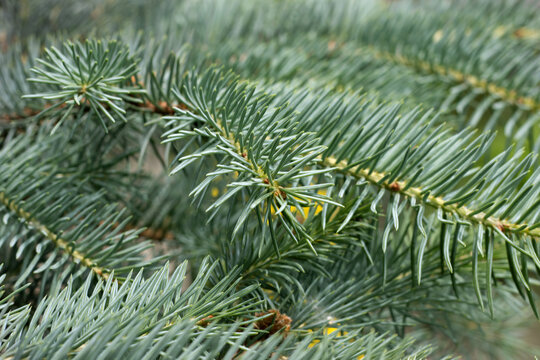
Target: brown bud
{"type": "Point", "coordinates": [274, 322]}
{"type": "Point", "coordinates": [395, 186]}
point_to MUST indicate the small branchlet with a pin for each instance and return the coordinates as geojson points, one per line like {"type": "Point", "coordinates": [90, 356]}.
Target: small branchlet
{"type": "Point", "coordinates": [95, 74]}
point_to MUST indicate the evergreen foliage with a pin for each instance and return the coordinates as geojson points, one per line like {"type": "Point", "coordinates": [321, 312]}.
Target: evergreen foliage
{"type": "Point", "coordinates": [284, 179]}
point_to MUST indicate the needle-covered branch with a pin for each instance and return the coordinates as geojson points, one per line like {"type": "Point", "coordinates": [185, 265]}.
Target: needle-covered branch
{"type": "Point", "coordinates": [264, 150]}
{"type": "Point", "coordinates": [402, 156]}
{"type": "Point", "coordinates": [52, 221]}
{"type": "Point", "coordinates": [94, 73]}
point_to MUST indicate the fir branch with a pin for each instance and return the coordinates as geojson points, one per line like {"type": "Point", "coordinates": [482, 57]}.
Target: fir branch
{"type": "Point", "coordinates": [493, 189]}
{"type": "Point", "coordinates": [164, 308]}
{"type": "Point", "coordinates": [91, 74]}
{"type": "Point", "coordinates": [58, 241]}
{"type": "Point", "coordinates": [174, 321]}
{"type": "Point", "coordinates": [389, 116]}
{"type": "Point", "coordinates": [417, 193]}
{"type": "Point", "coordinates": [263, 148]}
{"type": "Point", "coordinates": [63, 217]}
{"type": "Point", "coordinates": [509, 96]}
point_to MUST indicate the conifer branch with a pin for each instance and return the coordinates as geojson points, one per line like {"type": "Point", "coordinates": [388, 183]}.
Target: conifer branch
{"type": "Point", "coordinates": [436, 202]}
{"type": "Point", "coordinates": [274, 149]}
{"type": "Point", "coordinates": [60, 211]}
{"type": "Point", "coordinates": [419, 194]}
{"type": "Point", "coordinates": [58, 241]}
{"type": "Point", "coordinates": [95, 73]}
{"type": "Point", "coordinates": [507, 95]}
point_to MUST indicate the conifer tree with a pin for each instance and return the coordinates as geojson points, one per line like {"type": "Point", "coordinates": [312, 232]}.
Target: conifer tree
{"type": "Point", "coordinates": [269, 179]}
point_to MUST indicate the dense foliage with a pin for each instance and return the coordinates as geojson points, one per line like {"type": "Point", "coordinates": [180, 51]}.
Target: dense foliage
{"type": "Point", "coordinates": [269, 179]}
